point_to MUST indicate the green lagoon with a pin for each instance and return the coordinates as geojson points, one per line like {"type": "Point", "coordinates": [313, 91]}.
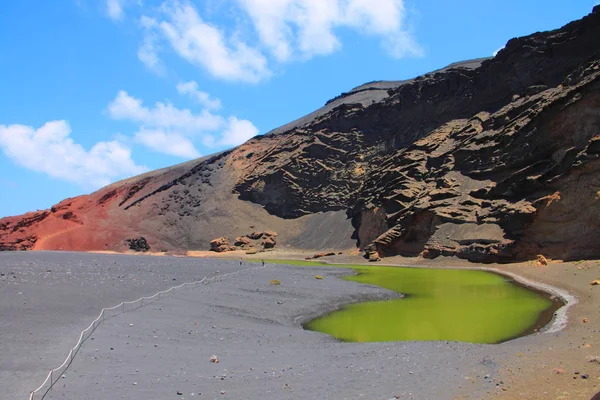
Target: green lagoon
{"type": "Point", "coordinates": [439, 304]}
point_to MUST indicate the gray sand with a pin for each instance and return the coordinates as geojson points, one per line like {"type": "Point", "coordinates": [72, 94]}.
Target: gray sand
{"type": "Point", "coordinates": [164, 348]}
{"type": "Point", "coordinates": [48, 298]}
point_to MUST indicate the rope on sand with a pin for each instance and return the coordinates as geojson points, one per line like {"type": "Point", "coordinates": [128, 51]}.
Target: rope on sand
{"type": "Point", "coordinates": [55, 374]}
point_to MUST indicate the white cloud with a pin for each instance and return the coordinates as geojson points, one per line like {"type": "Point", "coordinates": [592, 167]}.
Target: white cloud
{"type": "Point", "coordinates": [307, 27]}
{"type": "Point", "coordinates": [114, 8]}
{"type": "Point", "coordinates": [207, 46]}
{"type": "Point", "coordinates": [238, 131]}
{"type": "Point", "coordinates": [191, 89]}
{"type": "Point", "coordinates": [125, 107]}
{"type": "Point", "coordinates": [167, 129]}
{"type": "Point", "coordinates": [147, 52]}
{"type": "Point", "coordinates": [286, 29]}
{"type": "Point", "coordinates": [147, 55]}
{"type": "Point", "coordinates": [50, 150]}
{"type": "Point", "coordinates": [167, 142]}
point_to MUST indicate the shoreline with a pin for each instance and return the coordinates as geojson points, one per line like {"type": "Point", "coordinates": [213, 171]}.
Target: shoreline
{"type": "Point", "coordinates": [556, 324]}
{"type": "Point", "coordinates": [243, 324]}
{"type": "Point", "coordinates": [566, 345]}
{"type": "Point", "coordinates": [559, 321]}
{"type": "Point", "coordinates": [560, 318]}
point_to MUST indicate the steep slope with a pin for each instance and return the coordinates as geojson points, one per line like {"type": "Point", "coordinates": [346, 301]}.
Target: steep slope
{"type": "Point", "coordinates": [489, 159]}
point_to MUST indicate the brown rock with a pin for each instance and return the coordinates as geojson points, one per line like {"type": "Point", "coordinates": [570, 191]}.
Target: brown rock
{"type": "Point", "coordinates": [269, 243]}
{"type": "Point", "coordinates": [255, 235]}
{"type": "Point", "coordinates": [319, 255]}
{"type": "Point", "coordinates": [251, 250]}
{"type": "Point", "coordinates": [219, 242]}
{"type": "Point", "coordinates": [242, 241]}
{"type": "Point", "coordinates": [221, 245]}
{"type": "Point", "coordinates": [374, 257]}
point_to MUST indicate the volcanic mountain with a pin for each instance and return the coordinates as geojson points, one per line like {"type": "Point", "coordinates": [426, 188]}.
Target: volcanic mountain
{"type": "Point", "coordinates": [489, 160]}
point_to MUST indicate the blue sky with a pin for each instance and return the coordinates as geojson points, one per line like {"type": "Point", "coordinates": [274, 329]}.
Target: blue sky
{"type": "Point", "coordinates": [93, 91]}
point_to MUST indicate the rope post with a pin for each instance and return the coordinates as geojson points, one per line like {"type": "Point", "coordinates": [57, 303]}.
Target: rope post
{"type": "Point", "coordinates": [51, 379]}
{"type": "Point", "coordinates": [31, 395]}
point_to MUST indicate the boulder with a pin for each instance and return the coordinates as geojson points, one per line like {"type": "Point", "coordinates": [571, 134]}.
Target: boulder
{"type": "Point", "coordinates": [255, 235]}
{"type": "Point", "coordinates": [269, 243]}
{"type": "Point", "coordinates": [221, 245]}
{"type": "Point", "coordinates": [138, 244]}
{"type": "Point", "coordinates": [251, 250]}
{"type": "Point", "coordinates": [242, 241]}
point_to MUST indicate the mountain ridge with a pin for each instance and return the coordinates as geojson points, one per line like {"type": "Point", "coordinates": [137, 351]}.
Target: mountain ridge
{"type": "Point", "coordinates": [480, 160]}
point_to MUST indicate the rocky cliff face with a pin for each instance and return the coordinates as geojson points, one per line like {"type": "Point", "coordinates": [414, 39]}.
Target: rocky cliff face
{"type": "Point", "coordinates": [489, 160]}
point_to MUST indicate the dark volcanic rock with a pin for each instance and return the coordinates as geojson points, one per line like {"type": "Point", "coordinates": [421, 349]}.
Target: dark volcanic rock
{"type": "Point", "coordinates": [457, 162]}
{"type": "Point", "coordinates": [242, 241]}
{"type": "Point", "coordinates": [269, 243]}
{"type": "Point", "coordinates": [319, 255]}
{"type": "Point", "coordinates": [138, 244]}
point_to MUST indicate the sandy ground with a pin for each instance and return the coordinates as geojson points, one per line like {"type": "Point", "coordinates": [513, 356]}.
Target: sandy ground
{"type": "Point", "coordinates": [47, 298]}
{"type": "Point", "coordinates": [542, 366]}
{"type": "Point", "coordinates": [164, 348]}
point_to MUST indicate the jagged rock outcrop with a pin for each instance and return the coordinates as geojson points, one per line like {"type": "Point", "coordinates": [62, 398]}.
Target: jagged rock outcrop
{"type": "Point", "coordinates": [242, 241]}
{"type": "Point", "coordinates": [459, 162]}
{"type": "Point", "coordinates": [500, 185]}
{"type": "Point", "coordinates": [269, 243]}
{"type": "Point", "coordinates": [490, 160]}
{"type": "Point", "coordinates": [221, 245]}
{"type": "Point", "coordinates": [249, 242]}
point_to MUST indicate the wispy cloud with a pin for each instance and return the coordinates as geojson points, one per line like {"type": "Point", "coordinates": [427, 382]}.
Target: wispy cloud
{"type": "Point", "coordinates": [115, 9]}
{"type": "Point", "coordinates": [170, 130]}
{"type": "Point", "coordinates": [205, 45]}
{"type": "Point", "coordinates": [285, 31]}
{"type": "Point", "coordinates": [49, 149]}
{"type": "Point", "coordinates": [306, 28]}
{"type": "Point", "coordinates": [162, 141]}
{"type": "Point", "coordinates": [191, 89]}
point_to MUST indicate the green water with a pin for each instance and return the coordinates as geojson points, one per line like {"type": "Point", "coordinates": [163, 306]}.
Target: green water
{"type": "Point", "coordinates": [440, 304]}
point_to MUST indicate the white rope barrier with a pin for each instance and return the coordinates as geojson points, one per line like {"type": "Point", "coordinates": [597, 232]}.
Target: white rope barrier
{"type": "Point", "coordinates": [55, 374]}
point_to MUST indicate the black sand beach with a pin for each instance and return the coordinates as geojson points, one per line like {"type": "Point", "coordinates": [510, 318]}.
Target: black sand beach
{"type": "Point", "coordinates": [48, 298]}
